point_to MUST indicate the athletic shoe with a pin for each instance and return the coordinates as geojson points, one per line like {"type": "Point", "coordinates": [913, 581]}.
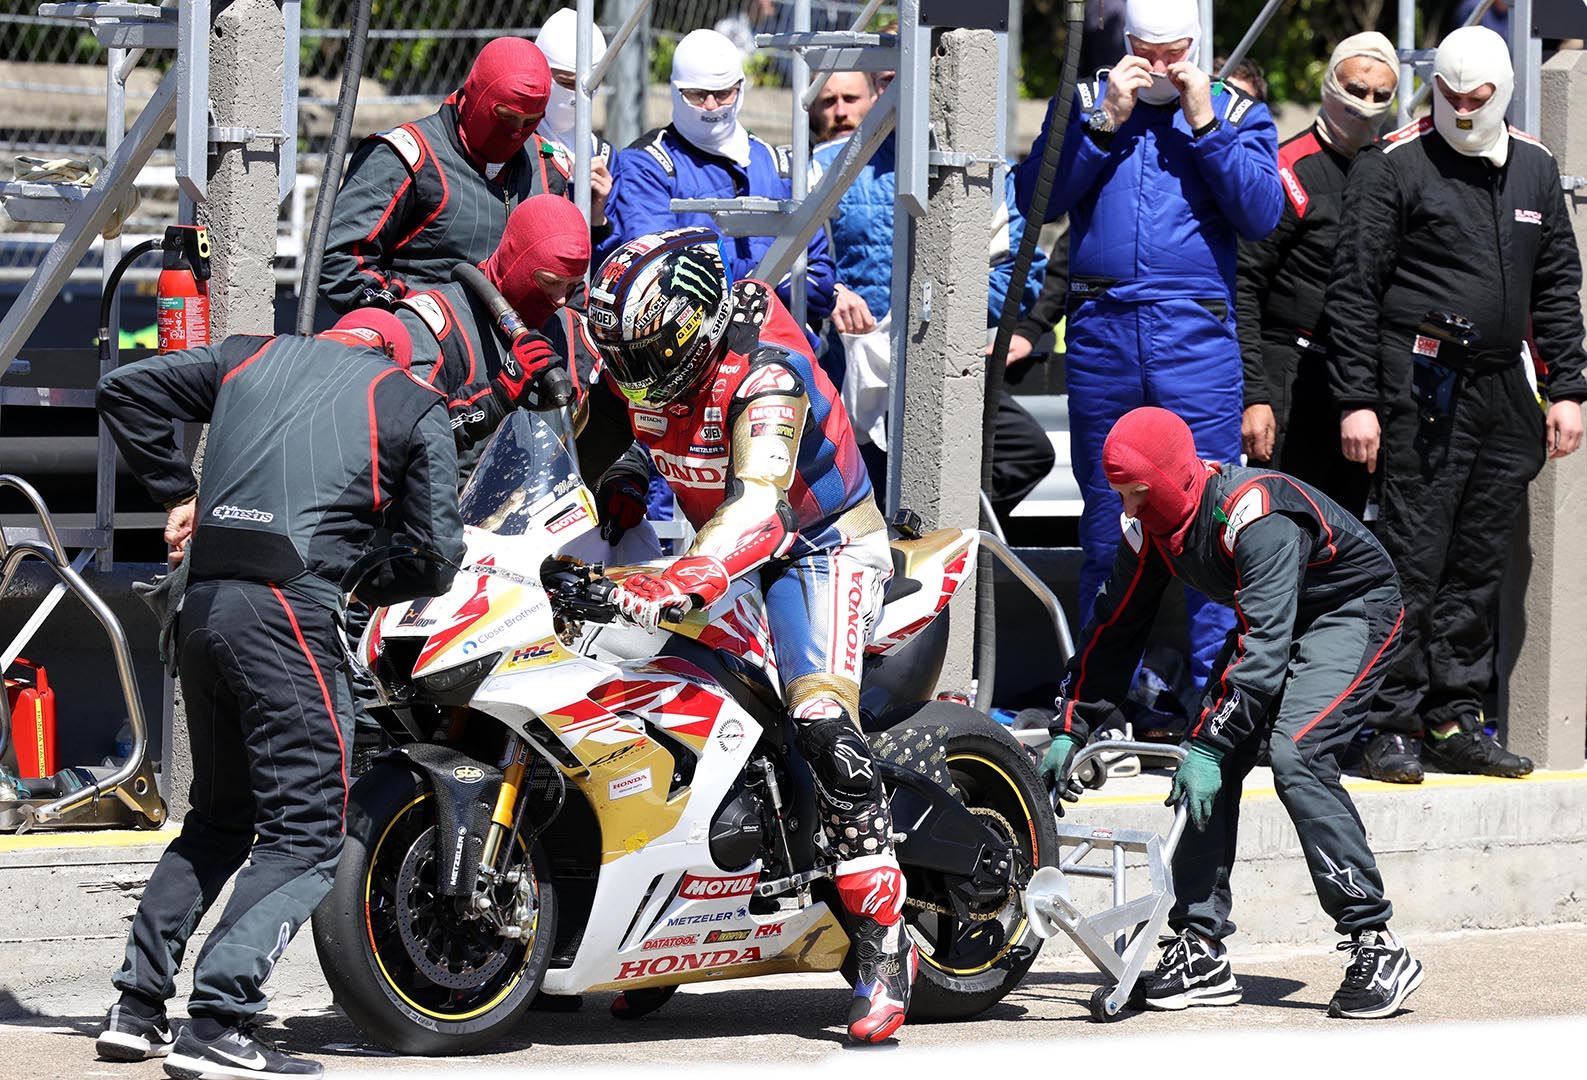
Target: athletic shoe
{"type": "Point", "coordinates": [1381, 975]}
{"type": "Point", "coordinates": [1191, 973]}
{"type": "Point", "coordinates": [871, 890]}
{"type": "Point", "coordinates": [235, 1052]}
{"type": "Point", "coordinates": [1474, 752]}
{"type": "Point", "coordinates": [1393, 758]}
{"type": "Point", "coordinates": [130, 1037]}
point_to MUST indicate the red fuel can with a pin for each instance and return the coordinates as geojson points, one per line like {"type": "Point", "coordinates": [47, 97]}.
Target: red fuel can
{"type": "Point", "coordinates": [32, 721]}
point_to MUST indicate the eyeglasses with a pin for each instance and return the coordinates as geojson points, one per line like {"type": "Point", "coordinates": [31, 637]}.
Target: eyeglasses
{"type": "Point", "coordinates": [698, 98]}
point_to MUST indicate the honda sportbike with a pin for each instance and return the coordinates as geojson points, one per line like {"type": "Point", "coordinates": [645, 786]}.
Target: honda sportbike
{"type": "Point", "coordinates": [563, 815]}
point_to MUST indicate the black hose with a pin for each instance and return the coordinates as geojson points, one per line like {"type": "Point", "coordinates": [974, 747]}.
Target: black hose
{"type": "Point", "coordinates": [985, 618]}
{"type": "Point", "coordinates": [108, 297]}
{"type": "Point", "coordinates": [331, 179]}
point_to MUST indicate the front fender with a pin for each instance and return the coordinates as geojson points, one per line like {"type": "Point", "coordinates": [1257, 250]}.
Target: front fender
{"type": "Point", "coordinates": [465, 795]}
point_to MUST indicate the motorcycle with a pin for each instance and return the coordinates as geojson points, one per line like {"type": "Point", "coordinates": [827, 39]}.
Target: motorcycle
{"type": "Point", "coordinates": [559, 818]}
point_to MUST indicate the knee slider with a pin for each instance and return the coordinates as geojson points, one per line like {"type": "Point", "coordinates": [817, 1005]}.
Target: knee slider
{"type": "Point", "coordinates": [840, 757]}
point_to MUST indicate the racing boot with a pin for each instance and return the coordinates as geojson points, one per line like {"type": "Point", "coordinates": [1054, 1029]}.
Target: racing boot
{"type": "Point", "coordinates": [1470, 749]}
{"type": "Point", "coordinates": [1393, 759]}
{"type": "Point", "coordinates": [884, 958]}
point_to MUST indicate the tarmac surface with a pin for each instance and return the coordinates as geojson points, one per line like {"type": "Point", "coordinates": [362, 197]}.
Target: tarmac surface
{"type": "Point", "coordinates": [1513, 979]}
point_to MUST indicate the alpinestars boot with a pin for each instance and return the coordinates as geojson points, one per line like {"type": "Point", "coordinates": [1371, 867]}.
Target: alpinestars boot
{"type": "Point", "coordinates": [884, 958]}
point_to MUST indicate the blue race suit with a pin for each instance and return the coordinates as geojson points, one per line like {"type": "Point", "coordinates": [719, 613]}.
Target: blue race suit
{"type": "Point", "coordinates": [1155, 219]}
{"type": "Point", "coordinates": [662, 165]}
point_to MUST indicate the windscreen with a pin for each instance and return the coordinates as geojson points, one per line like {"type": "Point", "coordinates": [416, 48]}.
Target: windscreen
{"type": "Point", "coordinates": [526, 465]}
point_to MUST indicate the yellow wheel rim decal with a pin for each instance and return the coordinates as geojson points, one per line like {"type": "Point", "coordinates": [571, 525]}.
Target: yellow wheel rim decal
{"type": "Point", "coordinates": [375, 951]}
{"type": "Point", "coordinates": [1019, 930]}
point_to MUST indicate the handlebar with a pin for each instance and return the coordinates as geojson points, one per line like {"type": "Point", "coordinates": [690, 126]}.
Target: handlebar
{"type": "Point", "coordinates": [582, 591]}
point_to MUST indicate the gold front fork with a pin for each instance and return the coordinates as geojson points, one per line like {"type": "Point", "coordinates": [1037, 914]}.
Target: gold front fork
{"type": "Point", "coordinates": [506, 799]}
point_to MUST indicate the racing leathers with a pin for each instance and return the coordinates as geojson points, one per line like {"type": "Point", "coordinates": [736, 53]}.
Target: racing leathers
{"type": "Point", "coordinates": [1435, 240]}
{"type": "Point", "coordinates": [313, 444]}
{"type": "Point", "coordinates": [1155, 211]}
{"type": "Point", "coordinates": [1279, 308]}
{"type": "Point", "coordinates": [765, 466]}
{"type": "Point", "coordinates": [1319, 612]}
{"type": "Point", "coordinates": [415, 204]}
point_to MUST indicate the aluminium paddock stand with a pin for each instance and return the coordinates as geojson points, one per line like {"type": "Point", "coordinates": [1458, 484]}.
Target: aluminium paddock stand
{"type": "Point", "coordinates": [114, 796]}
{"type": "Point", "coordinates": [1132, 925]}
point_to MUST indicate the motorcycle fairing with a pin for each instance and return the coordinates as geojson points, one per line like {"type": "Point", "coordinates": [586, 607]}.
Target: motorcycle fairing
{"type": "Point", "coordinates": [926, 574]}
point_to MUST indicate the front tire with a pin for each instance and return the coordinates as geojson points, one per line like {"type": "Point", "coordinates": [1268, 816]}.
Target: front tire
{"type": "Point", "coordinates": [967, 967]}
{"type": "Point", "coordinates": [411, 973]}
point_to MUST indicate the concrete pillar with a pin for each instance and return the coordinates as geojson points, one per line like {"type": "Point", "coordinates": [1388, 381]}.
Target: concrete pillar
{"type": "Point", "coordinates": [1544, 693]}
{"type": "Point", "coordinates": [628, 79]}
{"type": "Point", "coordinates": [245, 92]}
{"type": "Point", "coordinates": [245, 56]}
{"type": "Point", "coordinates": [941, 466]}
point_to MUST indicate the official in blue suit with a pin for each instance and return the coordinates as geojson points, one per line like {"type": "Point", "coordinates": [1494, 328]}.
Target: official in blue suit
{"type": "Point", "coordinates": [1163, 171]}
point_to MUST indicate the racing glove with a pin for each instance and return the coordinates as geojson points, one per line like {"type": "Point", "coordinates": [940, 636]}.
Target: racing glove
{"type": "Point", "coordinates": [1197, 780]}
{"type": "Point", "coordinates": [648, 600]}
{"type": "Point", "coordinates": [386, 298]}
{"type": "Point", "coordinates": [621, 499]}
{"type": "Point", "coordinates": [530, 357]}
{"type": "Point", "coordinates": [1055, 765]}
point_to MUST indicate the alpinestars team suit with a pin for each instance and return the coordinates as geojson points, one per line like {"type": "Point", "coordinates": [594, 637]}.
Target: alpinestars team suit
{"type": "Point", "coordinates": [1431, 230]}
{"type": "Point", "coordinates": [1279, 310]}
{"type": "Point", "coordinates": [1319, 612]}
{"type": "Point", "coordinates": [414, 205]}
{"type": "Point", "coordinates": [1154, 219]}
{"type": "Point", "coordinates": [313, 445]}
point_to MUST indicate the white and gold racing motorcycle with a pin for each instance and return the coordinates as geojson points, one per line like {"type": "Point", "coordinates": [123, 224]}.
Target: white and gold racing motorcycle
{"type": "Point", "coordinates": [559, 818]}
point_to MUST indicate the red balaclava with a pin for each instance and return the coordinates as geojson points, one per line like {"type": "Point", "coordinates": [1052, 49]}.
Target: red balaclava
{"type": "Point", "coordinates": [508, 71]}
{"type": "Point", "coordinates": [1154, 447]}
{"type": "Point", "coordinates": [545, 232]}
{"type": "Point", "coordinates": [373, 328]}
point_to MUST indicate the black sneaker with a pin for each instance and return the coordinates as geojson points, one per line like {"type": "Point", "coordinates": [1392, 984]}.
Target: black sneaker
{"type": "Point", "coordinates": [234, 1052]}
{"type": "Point", "coordinates": [1381, 975]}
{"type": "Point", "coordinates": [1191, 973]}
{"type": "Point", "coordinates": [1393, 758]}
{"type": "Point", "coordinates": [1475, 752]}
{"type": "Point", "coordinates": [130, 1037]}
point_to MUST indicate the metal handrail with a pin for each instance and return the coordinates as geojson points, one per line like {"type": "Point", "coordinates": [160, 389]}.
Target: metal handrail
{"type": "Point", "coordinates": [129, 768]}
{"type": "Point", "coordinates": [30, 493]}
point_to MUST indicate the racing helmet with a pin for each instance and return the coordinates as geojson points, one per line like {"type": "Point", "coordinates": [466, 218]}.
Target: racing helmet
{"type": "Point", "coordinates": [658, 310]}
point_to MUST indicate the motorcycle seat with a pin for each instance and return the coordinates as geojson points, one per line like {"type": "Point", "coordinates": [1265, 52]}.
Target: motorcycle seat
{"type": "Point", "coordinates": [908, 555]}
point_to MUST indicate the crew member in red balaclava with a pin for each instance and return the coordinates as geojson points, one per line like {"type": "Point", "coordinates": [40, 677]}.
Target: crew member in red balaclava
{"type": "Point", "coordinates": [539, 264]}
{"type": "Point", "coordinates": [1318, 613]}
{"type": "Point", "coordinates": [426, 195]}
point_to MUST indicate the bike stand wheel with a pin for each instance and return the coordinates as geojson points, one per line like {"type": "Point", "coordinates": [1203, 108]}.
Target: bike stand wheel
{"type": "Point", "coordinates": [1099, 1005]}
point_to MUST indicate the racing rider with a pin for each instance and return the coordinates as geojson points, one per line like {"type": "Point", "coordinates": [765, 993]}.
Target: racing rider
{"type": "Point", "coordinates": [717, 383]}
{"type": "Point", "coordinates": [1318, 614]}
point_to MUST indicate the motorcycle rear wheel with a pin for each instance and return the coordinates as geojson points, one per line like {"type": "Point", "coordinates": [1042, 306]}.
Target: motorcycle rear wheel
{"type": "Point", "coordinates": [402, 964]}
{"type": "Point", "coordinates": [967, 966]}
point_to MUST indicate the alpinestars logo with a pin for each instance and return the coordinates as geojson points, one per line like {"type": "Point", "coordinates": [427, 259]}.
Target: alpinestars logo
{"type": "Point", "coordinates": [1220, 718]}
{"type": "Point", "coordinates": [1344, 877]}
{"type": "Point", "coordinates": [691, 275]}
{"type": "Point", "coordinates": [242, 513]}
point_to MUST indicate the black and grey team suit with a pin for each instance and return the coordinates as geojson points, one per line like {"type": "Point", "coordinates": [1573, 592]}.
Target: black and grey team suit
{"type": "Point", "coordinates": [1318, 609]}
{"type": "Point", "coordinates": [1435, 231]}
{"type": "Point", "coordinates": [313, 445]}
{"type": "Point", "coordinates": [414, 205]}
{"type": "Point", "coordinates": [1279, 294]}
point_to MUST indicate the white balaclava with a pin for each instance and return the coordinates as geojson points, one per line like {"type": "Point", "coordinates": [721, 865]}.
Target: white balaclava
{"type": "Point", "coordinates": [1466, 59]}
{"type": "Point", "coordinates": [1346, 122]}
{"type": "Point", "coordinates": [559, 40]}
{"type": "Point", "coordinates": [1156, 22]}
{"type": "Point", "coordinates": [707, 60]}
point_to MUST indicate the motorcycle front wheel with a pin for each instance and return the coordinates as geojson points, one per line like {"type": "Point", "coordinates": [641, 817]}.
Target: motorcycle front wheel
{"type": "Point", "coordinates": [409, 966]}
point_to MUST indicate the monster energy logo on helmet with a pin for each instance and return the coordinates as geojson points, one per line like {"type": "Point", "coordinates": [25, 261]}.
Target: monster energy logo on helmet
{"type": "Point", "coordinates": [693, 276]}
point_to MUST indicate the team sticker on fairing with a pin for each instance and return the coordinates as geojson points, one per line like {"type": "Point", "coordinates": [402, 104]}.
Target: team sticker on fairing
{"type": "Point", "coordinates": [632, 784]}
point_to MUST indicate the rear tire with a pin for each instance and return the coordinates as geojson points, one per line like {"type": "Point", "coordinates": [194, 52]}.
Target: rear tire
{"type": "Point", "coordinates": [377, 972]}
{"type": "Point", "coordinates": [967, 968]}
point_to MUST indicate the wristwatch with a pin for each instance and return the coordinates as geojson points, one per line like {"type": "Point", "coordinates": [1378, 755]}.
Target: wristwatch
{"type": "Point", "coordinates": [1100, 128]}
{"type": "Point", "coordinates": [1206, 129]}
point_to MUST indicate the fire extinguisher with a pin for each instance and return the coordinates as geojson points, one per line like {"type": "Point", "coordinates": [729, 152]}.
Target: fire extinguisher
{"type": "Point", "coordinates": [182, 304]}
{"type": "Point", "coordinates": [183, 294]}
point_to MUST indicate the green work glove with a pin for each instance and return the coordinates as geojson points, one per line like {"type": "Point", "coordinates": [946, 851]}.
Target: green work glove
{"type": "Point", "coordinates": [1054, 766]}
{"type": "Point", "coordinates": [1197, 780]}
